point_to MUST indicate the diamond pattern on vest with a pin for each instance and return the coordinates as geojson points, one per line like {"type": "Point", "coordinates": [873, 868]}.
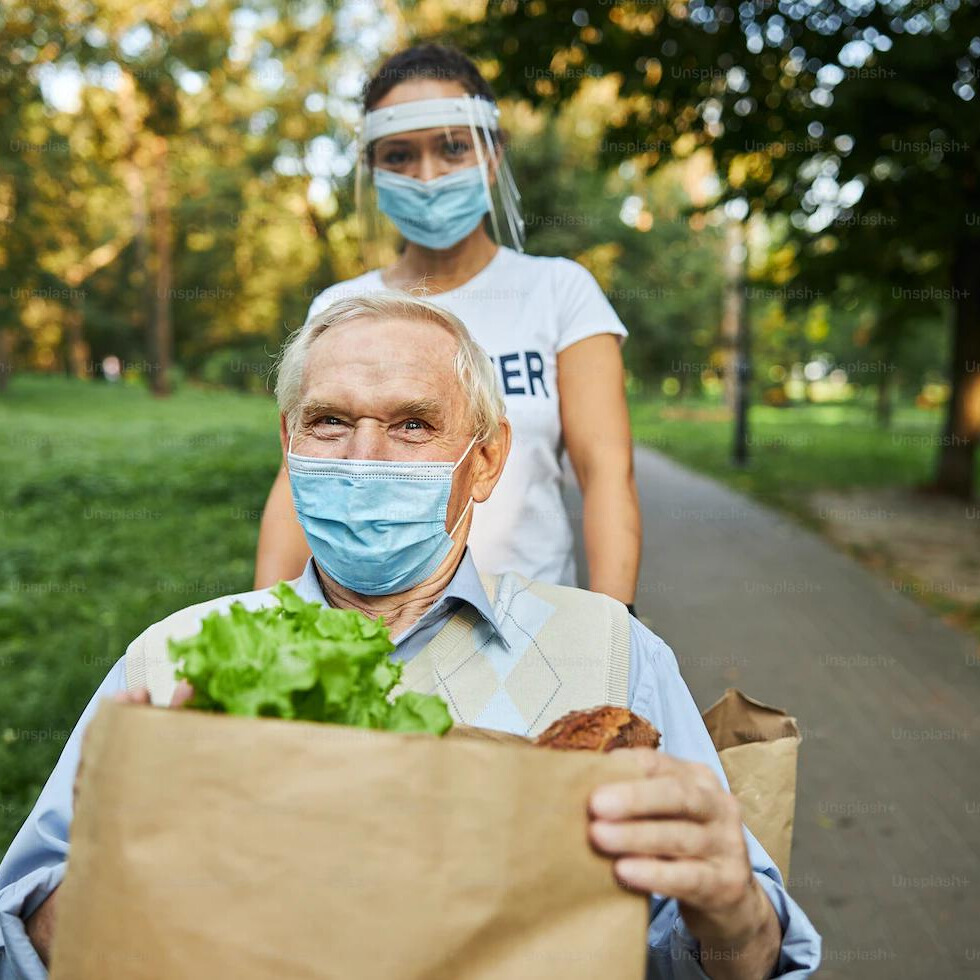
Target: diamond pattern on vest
{"type": "Point", "coordinates": [502, 715]}
{"type": "Point", "coordinates": [469, 688]}
{"type": "Point", "coordinates": [558, 659]}
{"type": "Point", "coordinates": [533, 685]}
{"type": "Point", "coordinates": [491, 686]}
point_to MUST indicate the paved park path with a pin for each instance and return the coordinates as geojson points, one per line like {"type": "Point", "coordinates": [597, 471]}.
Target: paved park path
{"type": "Point", "coordinates": [886, 853]}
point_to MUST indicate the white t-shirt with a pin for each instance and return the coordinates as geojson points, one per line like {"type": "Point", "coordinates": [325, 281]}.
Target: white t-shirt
{"type": "Point", "coordinates": [523, 310]}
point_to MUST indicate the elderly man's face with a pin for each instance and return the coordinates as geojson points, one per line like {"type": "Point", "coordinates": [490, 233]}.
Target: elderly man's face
{"type": "Point", "coordinates": [386, 389]}
{"type": "Point", "coordinates": [382, 389]}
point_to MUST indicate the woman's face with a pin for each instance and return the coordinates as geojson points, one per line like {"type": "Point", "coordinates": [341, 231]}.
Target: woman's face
{"type": "Point", "coordinates": [425, 153]}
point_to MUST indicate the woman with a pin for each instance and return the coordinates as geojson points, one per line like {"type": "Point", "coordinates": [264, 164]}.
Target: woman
{"type": "Point", "coordinates": [436, 159]}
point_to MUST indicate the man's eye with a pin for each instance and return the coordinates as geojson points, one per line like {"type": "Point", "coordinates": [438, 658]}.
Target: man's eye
{"type": "Point", "coordinates": [414, 425]}
{"type": "Point", "coordinates": [328, 420]}
{"type": "Point", "coordinates": [456, 148]}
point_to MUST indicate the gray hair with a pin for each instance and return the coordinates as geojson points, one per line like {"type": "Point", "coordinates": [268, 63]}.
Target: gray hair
{"type": "Point", "coordinates": [472, 364]}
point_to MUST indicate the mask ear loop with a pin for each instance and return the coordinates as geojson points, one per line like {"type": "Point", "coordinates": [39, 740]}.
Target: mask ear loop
{"type": "Point", "coordinates": [465, 454]}
{"type": "Point", "coordinates": [461, 516]}
{"type": "Point", "coordinates": [468, 502]}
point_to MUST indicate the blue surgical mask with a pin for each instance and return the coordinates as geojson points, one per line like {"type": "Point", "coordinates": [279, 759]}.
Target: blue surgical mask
{"type": "Point", "coordinates": [376, 527]}
{"type": "Point", "coordinates": [435, 213]}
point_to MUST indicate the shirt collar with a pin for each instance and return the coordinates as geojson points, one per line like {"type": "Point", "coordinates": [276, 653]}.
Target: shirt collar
{"type": "Point", "coordinates": [465, 586]}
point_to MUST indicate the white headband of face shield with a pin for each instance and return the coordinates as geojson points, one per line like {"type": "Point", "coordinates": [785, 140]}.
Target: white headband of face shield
{"type": "Point", "coordinates": [464, 110]}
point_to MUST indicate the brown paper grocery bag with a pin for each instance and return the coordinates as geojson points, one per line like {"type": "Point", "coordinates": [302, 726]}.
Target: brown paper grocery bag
{"type": "Point", "coordinates": [758, 747]}
{"type": "Point", "coordinates": [211, 846]}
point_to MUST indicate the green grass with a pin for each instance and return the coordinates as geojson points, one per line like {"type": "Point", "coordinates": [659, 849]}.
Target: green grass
{"type": "Point", "coordinates": [795, 450]}
{"type": "Point", "coordinates": [116, 509]}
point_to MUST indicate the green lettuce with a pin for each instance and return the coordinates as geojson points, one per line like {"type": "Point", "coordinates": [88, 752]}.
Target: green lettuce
{"type": "Point", "coordinates": [302, 660]}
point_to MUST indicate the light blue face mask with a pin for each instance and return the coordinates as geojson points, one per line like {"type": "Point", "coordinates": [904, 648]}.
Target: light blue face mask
{"type": "Point", "coordinates": [435, 213]}
{"type": "Point", "coordinates": [376, 527]}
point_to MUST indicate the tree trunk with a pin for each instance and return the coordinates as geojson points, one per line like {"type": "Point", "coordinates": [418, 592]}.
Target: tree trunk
{"type": "Point", "coordinates": [163, 270]}
{"type": "Point", "coordinates": [957, 456]}
{"type": "Point", "coordinates": [732, 312]}
{"type": "Point", "coordinates": [741, 370]}
{"type": "Point", "coordinates": [743, 375]}
{"type": "Point", "coordinates": [883, 402]}
{"type": "Point", "coordinates": [135, 180]}
{"type": "Point", "coordinates": [79, 359]}
{"type": "Point", "coordinates": [6, 357]}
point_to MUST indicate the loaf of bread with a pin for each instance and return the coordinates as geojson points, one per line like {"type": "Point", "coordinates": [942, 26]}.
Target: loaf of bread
{"type": "Point", "coordinates": [600, 729]}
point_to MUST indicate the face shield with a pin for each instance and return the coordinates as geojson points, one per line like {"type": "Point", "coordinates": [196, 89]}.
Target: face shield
{"type": "Point", "coordinates": [430, 171]}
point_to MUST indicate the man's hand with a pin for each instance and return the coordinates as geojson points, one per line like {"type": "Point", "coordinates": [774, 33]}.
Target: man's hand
{"type": "Point", "coordinates": [182, 693]}
{"type": "Point", "coordinates": [40, 924]}
{"type": "Point", "coordinates": [677, 832]}
{"type": "Point", "coordinates": [141, 695]}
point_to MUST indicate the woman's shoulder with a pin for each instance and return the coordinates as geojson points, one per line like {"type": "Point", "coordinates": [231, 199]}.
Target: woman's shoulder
{"type": "Point", "coordinates": [558, 267]}
{"type": "Point", "coordinates": [581, 306]}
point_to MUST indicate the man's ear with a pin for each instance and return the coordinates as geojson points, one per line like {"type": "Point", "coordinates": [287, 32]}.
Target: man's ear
{"type": "Point", "coordinates": [488, 462]}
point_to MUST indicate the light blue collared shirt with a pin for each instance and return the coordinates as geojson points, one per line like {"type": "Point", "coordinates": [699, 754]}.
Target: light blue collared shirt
{"type": "Point", "coordinates": [35, 864]}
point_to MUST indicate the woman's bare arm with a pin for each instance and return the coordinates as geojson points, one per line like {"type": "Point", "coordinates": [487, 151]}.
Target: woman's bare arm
{"type": "Point", "coordinates": [282, 551]}
{"type": "Point", "coordinates": [596, 428]}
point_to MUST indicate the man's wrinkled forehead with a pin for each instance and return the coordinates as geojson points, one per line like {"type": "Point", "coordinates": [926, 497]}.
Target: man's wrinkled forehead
{"type": "Point", "coordinates": [383, 361]}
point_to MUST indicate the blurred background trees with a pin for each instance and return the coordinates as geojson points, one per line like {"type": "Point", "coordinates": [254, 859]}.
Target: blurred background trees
{"type": "Point", "coordinates": [175, 184]}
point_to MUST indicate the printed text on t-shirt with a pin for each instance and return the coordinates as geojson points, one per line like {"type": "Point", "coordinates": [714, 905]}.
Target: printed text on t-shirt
{"type": "Point", "coordinates": [521, 373]}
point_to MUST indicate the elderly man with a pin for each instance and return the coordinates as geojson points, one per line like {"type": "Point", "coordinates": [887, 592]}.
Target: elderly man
{"type": "Point", "coordinates": [392, 428]}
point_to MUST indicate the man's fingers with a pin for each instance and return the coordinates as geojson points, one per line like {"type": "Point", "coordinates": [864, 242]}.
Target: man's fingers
{"type": "Point", "coordinates": [650, 760]}
{"type": "Point", "coordinates": [687, 881]}
{"type": "Point", "coordinates": [652, 838]}
{"type": "Point", "coordinates": [139, 696]}
{"type": "Point", "coordinates": [705, 885]}
{"type": "Point", "coordinates": [668, 795]}
{"type": "Point", "coordinates": [182, 694]}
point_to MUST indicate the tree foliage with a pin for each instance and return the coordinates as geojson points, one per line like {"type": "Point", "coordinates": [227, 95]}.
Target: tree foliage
{"type": "Point", "coordinates": [857, 120]}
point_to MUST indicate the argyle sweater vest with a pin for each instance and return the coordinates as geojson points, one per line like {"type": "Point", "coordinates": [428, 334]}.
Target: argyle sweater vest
{"type": "Point", "coordinates": [568, 649]}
